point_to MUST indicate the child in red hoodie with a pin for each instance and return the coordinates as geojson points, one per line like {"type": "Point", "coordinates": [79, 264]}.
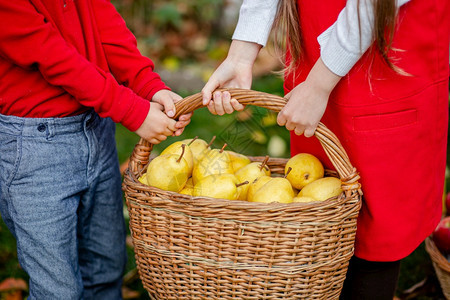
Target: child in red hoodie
{"type": "Point", "coordinates": [69, 70]}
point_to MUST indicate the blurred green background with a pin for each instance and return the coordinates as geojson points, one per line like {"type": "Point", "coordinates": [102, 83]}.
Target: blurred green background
{"type": "Point", "coordinates": [187, 40]}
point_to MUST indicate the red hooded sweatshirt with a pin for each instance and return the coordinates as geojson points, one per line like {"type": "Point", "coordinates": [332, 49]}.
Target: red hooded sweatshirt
{"type": "Point", "coordinates": [62, 57]}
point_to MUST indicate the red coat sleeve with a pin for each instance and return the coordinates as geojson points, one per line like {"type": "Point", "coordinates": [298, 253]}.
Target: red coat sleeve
{"type": "Point", "coordinates": [125, 61]}
{"type": "Point", "coordinates": [27, 40]}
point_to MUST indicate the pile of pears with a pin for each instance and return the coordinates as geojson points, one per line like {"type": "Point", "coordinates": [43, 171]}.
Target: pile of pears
{"type": "Point", "coordinates": [192, 168]}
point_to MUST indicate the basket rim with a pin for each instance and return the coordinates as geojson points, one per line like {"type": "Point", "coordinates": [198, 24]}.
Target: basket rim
{"type": "Point", "coordinates": [330, 143]}
{"type": "Point", "coordinates": [436, 255]}
{"type": "Point", "coordinates": [260, 206]}
{"type": "Point", "coordinates": [131, 180]}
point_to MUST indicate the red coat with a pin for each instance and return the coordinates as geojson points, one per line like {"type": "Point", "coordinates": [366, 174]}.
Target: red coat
{"type": "Point", "coordinates": [60, 58]}
{"type": "Point", "coordinates": [393, 127]}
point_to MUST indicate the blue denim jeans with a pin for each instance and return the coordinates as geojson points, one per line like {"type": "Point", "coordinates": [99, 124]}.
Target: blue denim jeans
{"type": "Point", "coordinates": [60, 195]}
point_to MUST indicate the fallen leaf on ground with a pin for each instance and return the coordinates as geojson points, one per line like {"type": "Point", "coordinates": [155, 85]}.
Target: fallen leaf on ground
{"type": "Point", "coordinates": [128, 293]}
{"type": "Point", "coordinates": [12, 284]}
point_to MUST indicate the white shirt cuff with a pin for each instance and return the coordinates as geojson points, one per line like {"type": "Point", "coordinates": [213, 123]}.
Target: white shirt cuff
{"type": "Point", "coordinates": [255, 21]}
{"type": "Point", "coordinates": [335, 55]}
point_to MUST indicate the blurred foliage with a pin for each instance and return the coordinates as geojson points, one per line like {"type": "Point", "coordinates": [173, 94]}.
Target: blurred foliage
{"type": "Point", "coordinates": [176, 28]}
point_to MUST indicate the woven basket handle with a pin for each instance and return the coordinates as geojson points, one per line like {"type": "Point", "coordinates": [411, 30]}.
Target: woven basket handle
{"type": "Point", "coordinates": [329, 141]}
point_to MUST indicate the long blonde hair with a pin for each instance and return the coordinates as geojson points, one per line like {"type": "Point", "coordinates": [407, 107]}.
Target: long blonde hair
{"type": "Point", "coordinates": [287, 25]}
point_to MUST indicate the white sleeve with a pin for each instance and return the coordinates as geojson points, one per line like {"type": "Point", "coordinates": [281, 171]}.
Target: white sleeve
{"type": "Point", "coordinates": [342, 44]}
{"type": "Point", "coordinates": [255, 21]}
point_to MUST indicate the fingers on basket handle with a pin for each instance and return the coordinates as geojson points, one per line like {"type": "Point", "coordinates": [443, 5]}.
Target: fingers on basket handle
{"type": "Point", "coordinates": [244, 96]}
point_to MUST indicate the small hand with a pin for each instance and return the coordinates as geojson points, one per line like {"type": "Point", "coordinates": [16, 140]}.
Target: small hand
{"type": "Point", "coordinates": [157, 126]}
{"type": "Point", "coordinates": [234, 72]}
{"type": "Point", "coordinates": [307, 101]}
{"type": "Point", "coordinates": [167, 99]}
{"type": "Point", "coordinates": [223, 103]}
{"type": "Point", "coordinates": [304, 110]}
{"type": "Point", "coordinates": [228, 74]}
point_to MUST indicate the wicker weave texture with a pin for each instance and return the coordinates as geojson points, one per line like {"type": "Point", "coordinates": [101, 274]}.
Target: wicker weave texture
{"type": "Point", "coordinates": [204, 248]}
{"type": "Point", "coordinates": [441, 266]}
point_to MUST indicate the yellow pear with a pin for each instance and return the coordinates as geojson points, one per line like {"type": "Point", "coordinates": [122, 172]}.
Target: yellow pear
{"type": "Point", "coordinates": [277, 189]}
{"type": "Point", "coordinates": [303, 199]}
{"type": "Point", "coordinates": [223, 186]}
{"type": "Point", "coordinates": [250, 172]}
{"type": "Point", "coordinates": [305, 169]}
{"type": "Point", "coordinates": [143, 179]}
{"type": "Point", "coordinates": [198, 147]}
{"type": "Point", "coordinates": [241, 190]}
{"type": "Point", "coordinates": [322, 189]}
{"type": "Point", "coordinates": [238, 160]}
{"type": "Point", "coordinates": [168, 172]}
{"type": "Point", "coordinates": [175, 148]}
{"type": "Point", "coordinates": [215, 161]}
{"type": "Point", "coordinates": [255, 185]}
{"type": "Point", "coordinates": [188, 188]}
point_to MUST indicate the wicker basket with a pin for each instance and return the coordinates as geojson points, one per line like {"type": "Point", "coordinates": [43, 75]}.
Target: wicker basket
{"type": "Point", "coordinates": [441, 266]}
{"type": "Point", "coordinates": [204, 248]}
